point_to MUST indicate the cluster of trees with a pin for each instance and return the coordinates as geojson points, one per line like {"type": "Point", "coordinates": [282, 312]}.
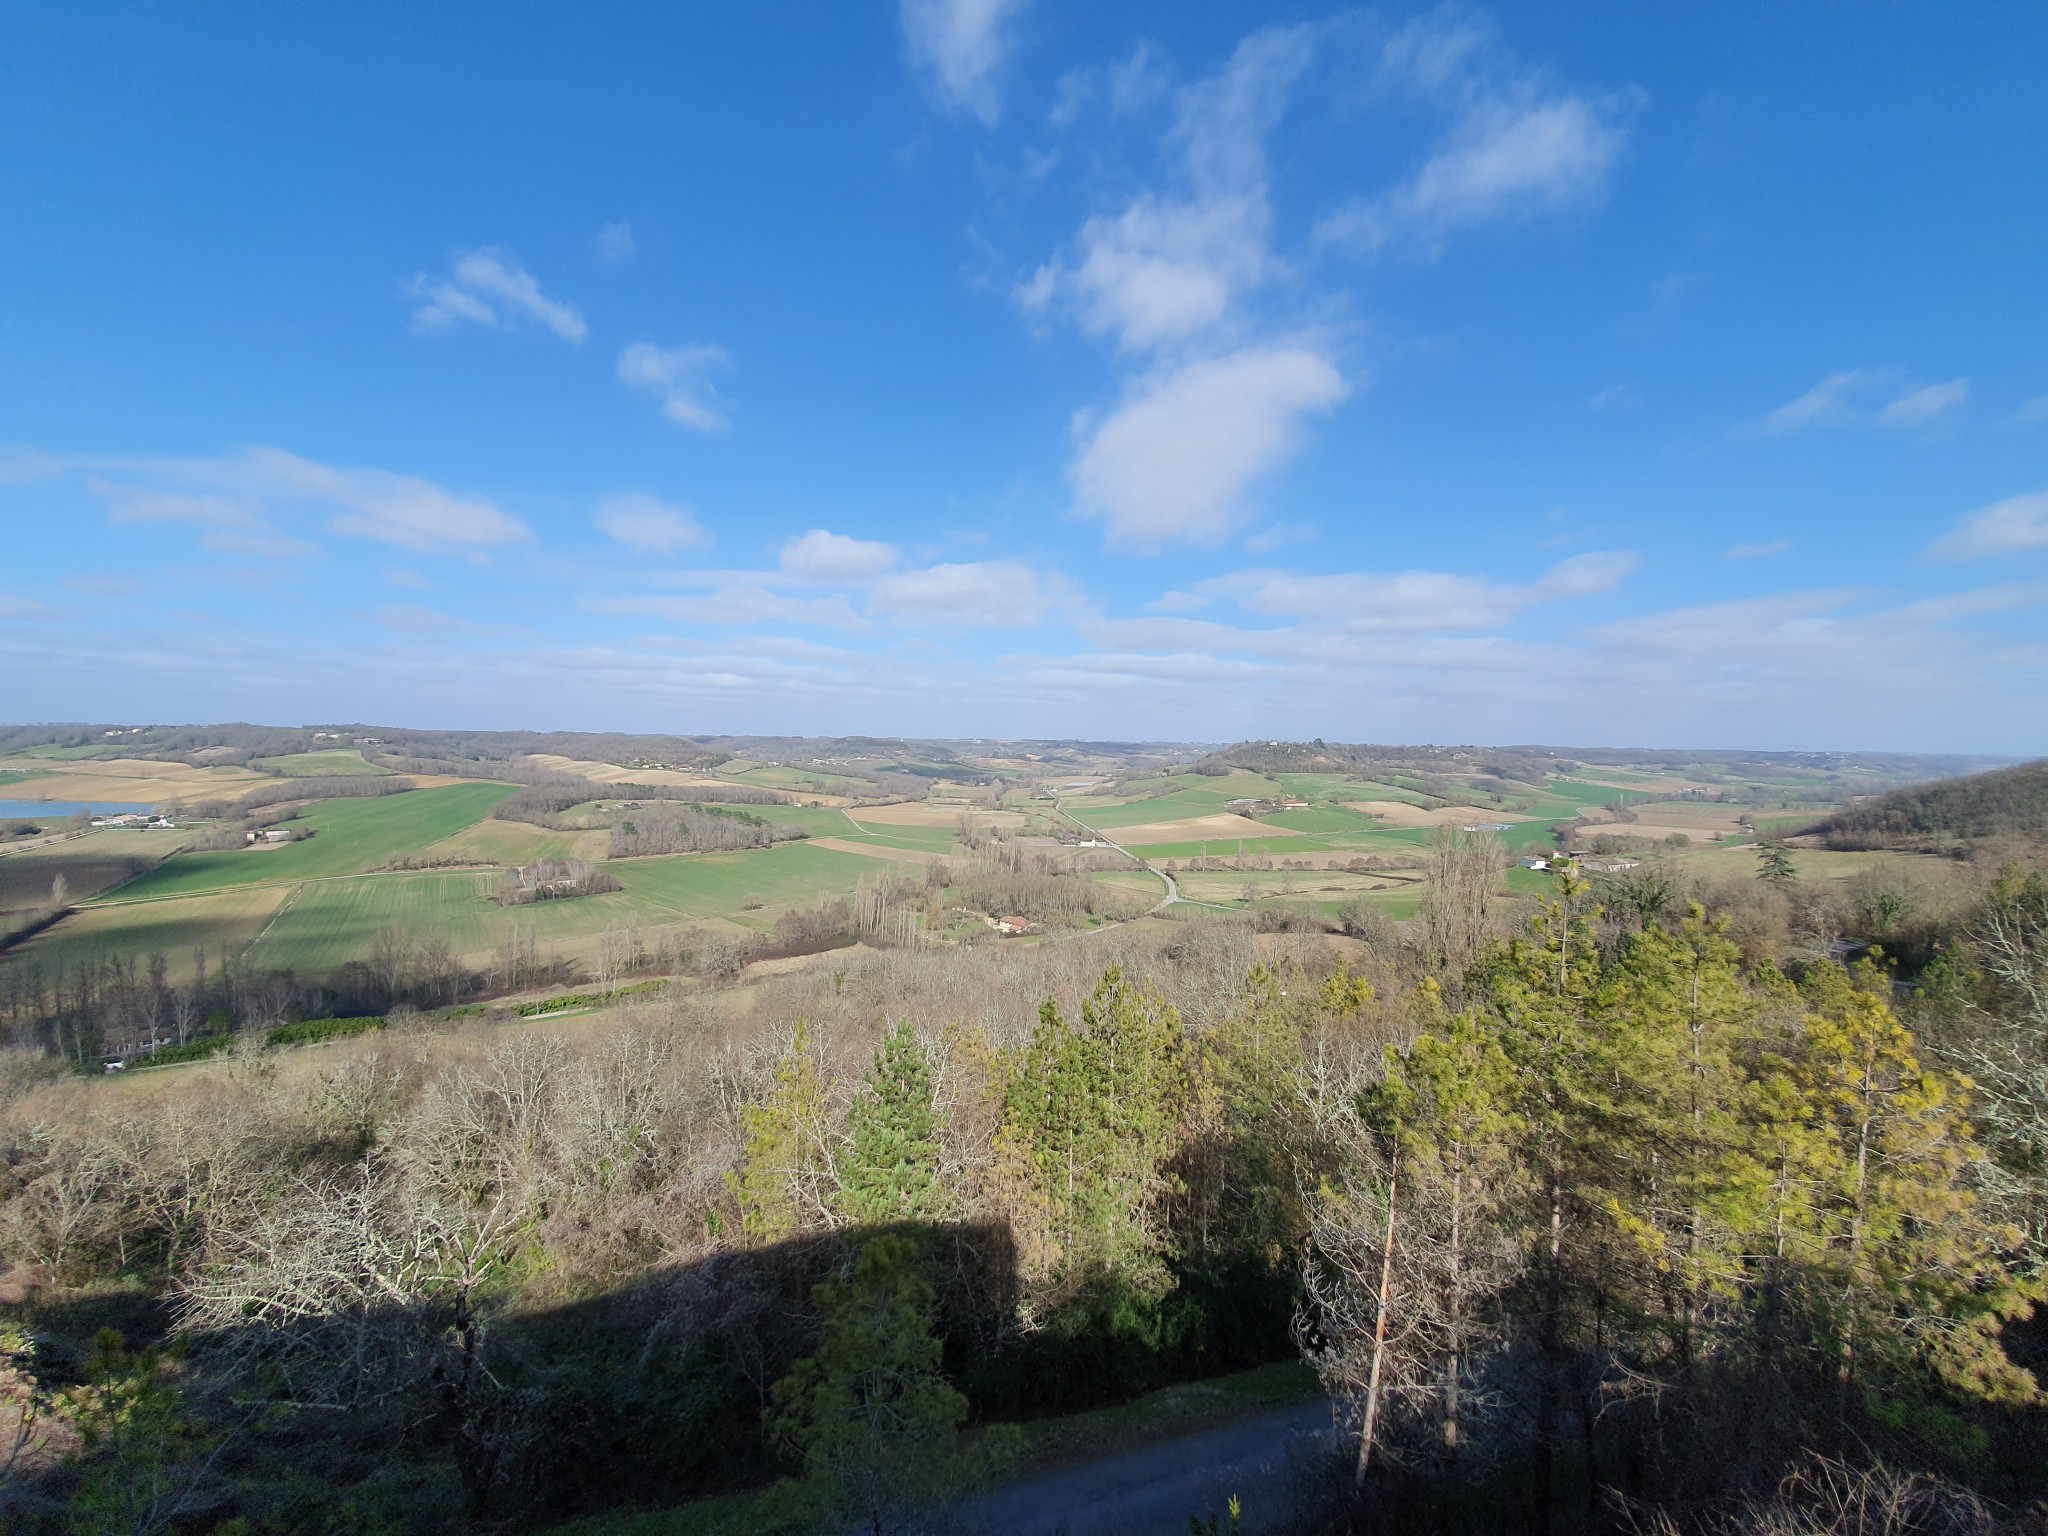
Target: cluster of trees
{"type": "Point", "coordinates": [684, 829]}
{"type": "Point", "coordinates": [555, 880]}
{"type": "Point", "coordinates": [543, 801]}
{"type": "Point", "coordinates": [1656, 1216]}
{"type": "Point", "coordinates": [2007, 803]}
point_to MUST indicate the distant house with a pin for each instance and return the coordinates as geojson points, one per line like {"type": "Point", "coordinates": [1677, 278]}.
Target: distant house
{"type": "Point", "coordinates": [1013, 925]}
{"type": "Point", "coordinates": [1486, 826]}
{"type": "Point", "coordinates": [1245, 800]}
{"type": "Point", "coordinates": [126, 819]}
{"type": "Point", "coordinates": [1611, 866]}
{"type": "Point", "coordinates": [1293, 805]}
{"type": "Point", "coordinates": [1535, 861]}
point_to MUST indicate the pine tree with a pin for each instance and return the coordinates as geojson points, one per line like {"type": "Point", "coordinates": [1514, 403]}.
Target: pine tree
{"type": "Point", "coordinates": [1917, 1274]}
{"type": "Point", "coordinates": [870, 1413]}
{"type": "Point", "coordinates": [1774, 864]}
{"type": "Point", "coordinates": [889, 1163]}
{"type": "Point", "coordinates": [1095, 1113]}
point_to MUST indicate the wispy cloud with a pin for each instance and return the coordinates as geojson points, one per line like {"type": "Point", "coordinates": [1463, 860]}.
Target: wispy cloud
{"type": "Point", "coordinates": [742, 603]}
{"type": "Point", "coordinates": [234, 525]}
{"type": "Point", "coordinates": [1756, 551]}
{"type": "Point", "coordinates": [490, 287]}
{"type": "Point", "coordinates": [960, 47]}
{"type": "Point", "coordinates": [239, 497]}
{"type": "Point", "coordinates": [1917, 407]}
{"type": "Point", "coordinates": [678, 375]}
{"type": "Point", "coordinates": [1517, 145]}
{"type": "Point", "coordinates": [1174, 461]}
{"type": "Point", "coordinates": [615, 243]}
{"type": "Point", "coordinates": [2033, 413]}
{"type": "Point", "coordinates": [1852, 397]}
{"type": "Point", "coordinates": [2004, 527]}
{"type": "Point", "coordinates": [996, 594]}
{"type": "Point", "coordinates": [1168, 265]}
{"type": "Point", "coordinates": [648, 525]}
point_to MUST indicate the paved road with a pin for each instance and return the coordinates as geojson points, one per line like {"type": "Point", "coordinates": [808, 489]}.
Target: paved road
{"type": "Point", "coordinates": [1173, 895]}
{"type": "Point", "coordinates": [1156, 1488]}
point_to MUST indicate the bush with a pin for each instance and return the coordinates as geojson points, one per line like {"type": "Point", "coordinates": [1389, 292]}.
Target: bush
{"type": "Point", "coordinates": [311, 1031]}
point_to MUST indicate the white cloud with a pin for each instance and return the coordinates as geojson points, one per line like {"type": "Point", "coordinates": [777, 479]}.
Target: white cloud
{"type": "Point", "coordinates": [995, 594]}
{"type": "Point", "coordinates": [615, 243]}
{"type": "Point", "coordinates": [1505, 158]}
{"type": "Point", "coordinates": [490, 287]}
{"type": "Point", "coordinates": [1825, 404]}
{"type": "Point", "coordinates": [1918, 407]}
{"type": "Point", "coordinates": [1168, 267]}
{"type": "Point", "coordinates": [1517, 146]}
{"type": "Point", "coordinates": [1848, 398]}
{"type": "Point", "coordinates": [960, 47]}
{"type": "Point", "coordinates": [649, 525]}
{"type": "Point", "coordinates": [234, 525]}
{"type": "Point", "coordinates": [1363, 601]}
{"type": "Point", "coordinates": [1174, 462]}
{"type": "Point", "coordinates": [237, 493]}
{"type": "Point", "coordinates": [1756, 551]}
{"type": "Point", "coordinates": [742, 603]}
{"type": "Point", "coordinates": [2032, 413]}
{"type": "Point", "coordinates": [834, 558]}
{"type": "Point", "coordinates": [2004, 527]}
{"type": "Point", "coordinates": [677, 375]}
{"type": "Point", "coordinates": [404, 576]}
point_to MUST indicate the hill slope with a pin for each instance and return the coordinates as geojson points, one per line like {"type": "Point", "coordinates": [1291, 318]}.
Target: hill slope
{"type": "Point", "coordinates": [2008, 802]}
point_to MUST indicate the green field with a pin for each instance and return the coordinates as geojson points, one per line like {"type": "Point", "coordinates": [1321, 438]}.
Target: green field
{"type": "Point", "coordinates": [1198, 797]}
{"type": "Point", "coordinates": [226, 920]}
{"type": "Point", "coordinates": [337, 764]}
{"type": "Point", "coordinates": [1323, 818]}
{"type": "Point", "coordinates": [933, 840]}
{"type": "Point", "coordinates": [350, 836]}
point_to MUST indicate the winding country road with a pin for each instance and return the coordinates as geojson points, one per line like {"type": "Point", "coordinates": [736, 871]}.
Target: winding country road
{"type": "Point", "coordinates": [1157, 1488]}
{"type": "Point", "coordinates": [1173, 895]}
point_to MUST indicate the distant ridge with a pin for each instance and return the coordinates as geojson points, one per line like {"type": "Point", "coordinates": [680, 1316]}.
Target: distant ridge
{"type": "Point", "coordinates": [2007, 802]}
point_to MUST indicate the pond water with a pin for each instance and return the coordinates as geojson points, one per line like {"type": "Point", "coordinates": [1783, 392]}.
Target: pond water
{"type": "Point", "coordinates": [57, 810]}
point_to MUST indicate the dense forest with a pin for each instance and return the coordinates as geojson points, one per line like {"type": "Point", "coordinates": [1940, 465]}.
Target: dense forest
{"type": "Point", "coordinates": [1610, 1212]}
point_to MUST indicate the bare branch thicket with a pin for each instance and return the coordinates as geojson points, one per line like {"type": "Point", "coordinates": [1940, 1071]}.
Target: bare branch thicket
{"type": "Point", "coordinates": [1466, 906]}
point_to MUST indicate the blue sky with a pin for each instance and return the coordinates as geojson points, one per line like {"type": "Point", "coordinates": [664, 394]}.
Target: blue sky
{"type": "Point", "coordinates": [1594, 374]}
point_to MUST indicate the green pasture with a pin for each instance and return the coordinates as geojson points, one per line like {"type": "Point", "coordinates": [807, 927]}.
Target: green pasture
{"type": "Point", "coordinates": [350, 836]}
{"type": "Point", "coordinates": [22, 775]}
{"type": "Point", "coordinates": [224, 920]}
{"type": "Point", "coordinates": [340, 763]}
{"type": "Point", "coordinates": [932, 840]}
{"type": "Point", "coordinates": [324, 924]}
{"type": "Point", "coordinates": [706, 885]}
{"type": "Point", "coordinates": [1323, 818]}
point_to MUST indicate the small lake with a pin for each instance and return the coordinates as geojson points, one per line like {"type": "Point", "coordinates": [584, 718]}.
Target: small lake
{"type": "Point", "coordinates": [57, 810]}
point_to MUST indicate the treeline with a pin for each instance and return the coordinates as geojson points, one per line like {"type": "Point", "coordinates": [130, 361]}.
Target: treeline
{"type": "Point", "coordinates": [682, 829]}
{"type": "Point", "coordinates": [542, 802]}
{"type": "Point", "coordinates": [291, 791]}
{"type": "Point", "coordinates": [2007, 803]}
